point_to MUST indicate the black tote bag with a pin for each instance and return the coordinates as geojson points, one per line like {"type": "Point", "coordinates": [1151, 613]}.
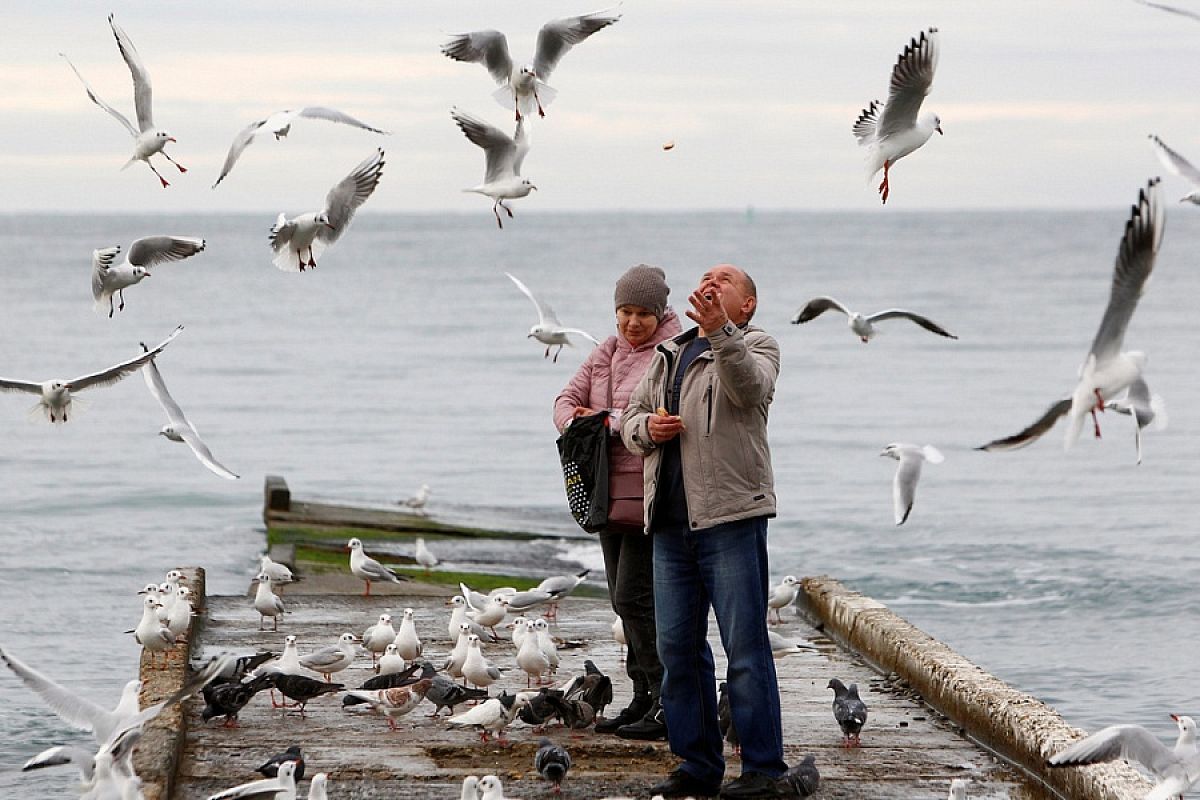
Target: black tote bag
{"type": "Point", "coordinates": [583, 450]}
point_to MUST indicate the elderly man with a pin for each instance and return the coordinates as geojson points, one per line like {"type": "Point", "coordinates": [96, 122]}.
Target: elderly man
{"type": "Point", "coordinates": [700, 419]}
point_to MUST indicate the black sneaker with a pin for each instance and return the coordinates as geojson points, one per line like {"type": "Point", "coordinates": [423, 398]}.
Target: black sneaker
{"type": "Point", "coordinates": [752, 785]}
{"type": "Point", "coordinates": [633, 712]}
{"type": "Point", "coordinates": [650, 728]}
{"type": "Point", "coordinates": [683, 784]}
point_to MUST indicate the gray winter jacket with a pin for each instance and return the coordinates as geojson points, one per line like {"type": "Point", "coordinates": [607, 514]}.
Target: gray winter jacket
{"type": "Point", "coordinates": [724, 399]}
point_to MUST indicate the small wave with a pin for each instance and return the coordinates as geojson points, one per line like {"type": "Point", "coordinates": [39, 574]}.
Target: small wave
{"type": "Point", "coordinates": [911, 600]}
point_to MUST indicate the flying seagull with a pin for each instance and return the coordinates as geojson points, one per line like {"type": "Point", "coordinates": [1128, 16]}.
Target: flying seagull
{"type": "Point", "coordinates": [502, 174]}
{"type": "Point", "coordinates": [1145, 408]}
{"type": "Point", "coordinates": [904, 484]}
{"type": "Point", "coordinates": [1178, 165]}
{"type": "Point", "coordinates": [548, 330]}
{"type": "Point", "coordinates": [314, 231]}
{"type": "Point", "coordinates": [1177, 769]}
{"type": "Point", "coordinates": [893, 130]}
{"type": "Point", "coordinates": [1107, 371]}
{"type": "Point", "coordinates": [56, 395]}
{"type": "Point", "coordinates": [178, 429]}
{"type": "Point", "coordinates": [148, 139]}
{"type": "Point", "coordinates": [523, 87]}
{"type": "Point", "coordinates": [279, 124]}
{"type": "Point", "coordinates": [864, 326]}
{"type": "Point", "coordinates": [109, 278]}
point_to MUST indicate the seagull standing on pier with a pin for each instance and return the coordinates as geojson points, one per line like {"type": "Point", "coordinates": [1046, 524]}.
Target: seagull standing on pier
{"type": "Point", "coordinates": [368, 569]}
{"type": "Point", "coordinates": [267, 603]}
{"type": "Point", "coordinates": [408, 644]}
{"type": "Point", "coordinates": [333, 658]}
{"type": "Point", "coordinates": [783, 596]}
{"type": "Point", "coordinates": [378, 637]}
{"type": "Point", "coordinates": [281, 787]}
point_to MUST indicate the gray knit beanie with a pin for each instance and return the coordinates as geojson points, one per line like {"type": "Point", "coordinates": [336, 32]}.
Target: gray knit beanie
{"type": "Point", "coordinates": [643, 286]}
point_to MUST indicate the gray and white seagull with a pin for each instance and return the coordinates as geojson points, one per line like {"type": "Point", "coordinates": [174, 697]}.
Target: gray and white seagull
{"type": "Point", "coordinates": [863, 326]}
{"type": "Point", "coordinates": [502, 174]}
{"type": "Point", "coordinates": [109, 278]}
{"type": "Point", "coordinates": [1177, 768]}
{"type": "Point", "coordinates": [315, 230]}
{"type": "Point", "coordinates": [280, 124]}
{"type": "Point", "coordinates": [908, 472]}
{"type": "Point", "coordinates": [56, 395]}
{"type": "Point", "coordinates": [148, 139]}
{"type": "Point", "coordinates": [524, 87]}
{"type": "Point", "coordinates": [548, 330]}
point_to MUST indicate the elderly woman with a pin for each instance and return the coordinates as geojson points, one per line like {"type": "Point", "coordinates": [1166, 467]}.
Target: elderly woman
{"type": "Point", "coordinates": [605, 381]}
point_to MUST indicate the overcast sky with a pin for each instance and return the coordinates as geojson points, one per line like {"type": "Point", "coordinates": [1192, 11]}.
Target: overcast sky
{"type": "Point", "coordinates": [1043, 104]}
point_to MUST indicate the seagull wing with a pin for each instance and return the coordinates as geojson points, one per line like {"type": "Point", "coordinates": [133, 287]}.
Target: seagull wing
{"type": "Point", "coordinates": [545, 313]}
{"type": "Point", "coordinates": [10, 385]}
{"type": "Point", "coordinates": [101, 261]}
{"type": "Point", "coordinates": [75, 709]}
{"type": "Point", "coordinates": [582, 333]}
{"type": "Point", "coordinates": [1183, 12]}
{"type": "Point", "coordinates": [912, 78]}
{"type": "Point", "coordinates": [816, 307]}
{"type": "Point", "coordinates": [152, 250]}
{"type": "Point", "coordinates": [190, 687]}
{"type": "Point", "coordinates": [333, 115]}
{"type": "Point", "coordinates": [1135, 261]}
{"type": "Point", "coordinates": [500, 149]}
{"type": "Point", "coordinates": [558, 36]}
{"type": "Point", "coordinates": [121, 118]}
{"type": "Point", "coordinates": [63, 755]}
{"type": "Point", "coordinates": [243, 140]}
{"type": "Point", "coordinates": [350, 193]}
{"type": "Point", "coordinates": [1033, 432]}
{"type": "Point", "coordinates": [924, 322]}
{"type": "Point", "coordinates": [1118, 741]}
{"type": "Point", "coordinates": [186, 430]}
{"type": "Point", "coordinates": [489, 48]}
{"type": "Point", "coordinates": [475, 600]}
{"type": "Point", "coordinates": [904, 485]}
{"type": "Point", "coordinates": [142, 92]}
{"type": "Point", "coordinates": [520, 146]}
{"type": "Point", "coordinates": [115, 373]}
{"type": "Point", "coordinates": [1175, 162]}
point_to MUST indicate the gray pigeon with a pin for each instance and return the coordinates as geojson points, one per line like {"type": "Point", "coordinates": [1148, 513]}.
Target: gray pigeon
{"type": "Point", "coordinates": [593, 687]}
{"type": "Point", "coordinates": [725, 719]}
{"type": "Point", "coordinates": [445, 693]}
{"type": "Point", "coordinates": [552, 762]}
{"type": "Point", "coordinates": [801, 780]}
{"type": "Point", "coordinates": [849, 711]}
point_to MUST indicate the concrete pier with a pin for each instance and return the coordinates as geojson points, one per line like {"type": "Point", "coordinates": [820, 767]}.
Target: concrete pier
{"type": "Point", "coordinates": [909, 748]}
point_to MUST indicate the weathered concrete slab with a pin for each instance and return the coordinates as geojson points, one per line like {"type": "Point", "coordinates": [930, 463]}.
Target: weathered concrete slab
{"type": "Point", "coordinates": [909, 750]}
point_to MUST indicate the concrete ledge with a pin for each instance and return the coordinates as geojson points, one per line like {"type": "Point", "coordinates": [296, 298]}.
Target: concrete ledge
{"type": "Point", "coordinates": [157, 757]}
{"type": "Point", "coordinates": [1015, 725]}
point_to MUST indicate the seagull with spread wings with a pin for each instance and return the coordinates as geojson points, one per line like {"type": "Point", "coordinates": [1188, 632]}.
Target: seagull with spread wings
{"type": "Point", "coordinates": [148, 139]}
{"type": "Point", "coordinates": [502, 175]}
{"type": "Point", "coordinates": [548, 330]}
{"type": "Point", "coordinates": [109, 278]}
{"type": "Point", "coordinates": [1178, 165]}
{"type": "Point", "coordinates": [863, 326]}
{"type": "Point", "coordinates": [524, 87]}
{"type": "Point", "coordinates": [892, 130]}
{"type": "Point", "coordinates": [315, 231]}
{"type": "Point", "coordinates": [56, 395]}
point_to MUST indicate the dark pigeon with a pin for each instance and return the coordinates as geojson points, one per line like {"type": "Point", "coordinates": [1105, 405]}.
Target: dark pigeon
{"type": "Point", "coordinates": [396, 680]}
{"type": "Point", "coordinates": [552, 762]}
{"type": "Point", "coordinates": [301, 688]}
{"type": "Point", "coordinates": [445, 693]}
{"type": "Point", "coordinates": [593, 687]}
{"type": "Point", "coordinates": [725, 720]}
{"type": "Point", "coordinates": [849, 711]}
{"type": "Point", "coordinates": [575, 713]}
{"type": "Point", "coordinates": [801, 780]}
{"type": "Point", "coordinates": [541, 708]}
{"type": "Point", "coordinates": [271, 768]}
{"type": "Point", "coordinates": [227, 699]}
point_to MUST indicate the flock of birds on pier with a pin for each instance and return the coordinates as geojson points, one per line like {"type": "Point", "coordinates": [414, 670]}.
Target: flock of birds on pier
{"type": "Point", "coordinates": [1109, 379]}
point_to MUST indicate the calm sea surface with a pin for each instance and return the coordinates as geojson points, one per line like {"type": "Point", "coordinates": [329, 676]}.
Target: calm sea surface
{"type": "Point", "coordinates": [403, 359]}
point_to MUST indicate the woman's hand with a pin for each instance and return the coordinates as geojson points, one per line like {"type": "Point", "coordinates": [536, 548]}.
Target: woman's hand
{"type": "Point", "coordinates": [583, 411]}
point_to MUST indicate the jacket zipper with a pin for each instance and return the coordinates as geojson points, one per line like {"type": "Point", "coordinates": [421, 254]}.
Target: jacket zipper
{"type": "Point", "coordinates": [708, 403]}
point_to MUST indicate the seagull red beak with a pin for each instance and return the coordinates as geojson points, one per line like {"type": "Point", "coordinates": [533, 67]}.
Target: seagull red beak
{"type": "Point", "coordinates": [171, 139]}
{"type": "Point", "coordinates": [1175, 717]}
{"type": "Point", "coordinates": [939, 130]}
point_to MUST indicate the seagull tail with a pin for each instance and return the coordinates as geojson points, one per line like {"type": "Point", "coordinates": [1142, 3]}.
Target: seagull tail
{"type": "Point", "coordinates": [132, 160]}
{"type": "Point", "coordinates": [1159, 407]}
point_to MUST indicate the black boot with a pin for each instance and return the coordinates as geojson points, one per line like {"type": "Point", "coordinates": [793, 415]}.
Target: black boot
{"type": "Point", "coordinates": [652, 727]}
{"type": "Point", "coordinates": [637, 708]}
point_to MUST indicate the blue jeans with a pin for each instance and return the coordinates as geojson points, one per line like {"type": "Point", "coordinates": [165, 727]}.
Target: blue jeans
{"type": "Point", "coordinates": [725, 568]}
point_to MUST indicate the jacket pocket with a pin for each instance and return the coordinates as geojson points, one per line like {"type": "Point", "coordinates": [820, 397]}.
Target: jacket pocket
{"type": "Point", "coordinates": [708, 405]}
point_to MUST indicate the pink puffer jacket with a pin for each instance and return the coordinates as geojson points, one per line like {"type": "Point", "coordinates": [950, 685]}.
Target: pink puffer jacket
{"type": "Point", "coordinates": [616, 361]}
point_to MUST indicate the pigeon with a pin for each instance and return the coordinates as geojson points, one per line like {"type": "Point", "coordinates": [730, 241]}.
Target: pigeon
{"type": "Point", "coordinates": [548, 330]}
{"type": "Point", "coordinates": [148, 139]}
{"type": "Point", "coordinates": [904, 484]}
{"type": "Point", "coordinates": [1178, 165]}
{"type": "Point", "coordinates": [801, 780]}
{"type": "Point", "coordinates": [407, 677]}
{"type": "Point", "coordinates": [1107, 371]}
{"type": "Point", "coordinates": [725, 718]}
{"type": "Point", "coordinates": [492, 716]}
{"type": "Point", "coordinates": [864, 326]}
{"type": "Point", "coordinates": [333, 658]}
{"type": "Point", "coordinates": [1145, 408]}
{"type": "Point", "coordinates": [893, 130]}
{"type": "Point", "coordinates": [523, 88]}
{"type": "Point", "coordinates": [593, 687]}
{"type": "Point", "coordinates": [849, 711]}
{"type": "Point", "coordinates": [783, 596]}
{"type": "Point", "coordinates": [242, 665]}
{"type": "Point", "coordinates": [1178, 768]}
{"type": "Point", "coordinates": [301, 688]}
{"type": "Point", "coordinates": [227, 699]}
{"type": "Point", "coordinates": [394, 703]}
{"type": "Point", "coordinates": [575, 712]}
{"type": "Point", "coordinates": [280, 124]}
{"type": "Point", "coordinates": [958, 789]}
{"type": "Point", "coordinates": [423, 557]}
{"type": "Point", "coordinates": [56, 395]}
{"type": "Point", "coordinates": [378, 637]}
{"type": "Point", "coordinates": [541, 708]}
{"type": "Point", "coordinates": [314, 231]}
{"type": "Point", "coordinates": [267, 603]}
{"type": "Point", "coordinates": [445, 693]}
{"type": "Point", "coordinates": [109, 278]}
{"type": "Point", "coordinates": [504, 155]}
{"type": "Point", "coordinates": [552, 762]}
{"type": "Point", "coordinates": [368, 569]}
{"type": "Point", "coordinates": [270, 768]}
{"type": "Point", "coordinates": [178, 429]}
{"type": "Point", "coordinates": [281, 787]}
